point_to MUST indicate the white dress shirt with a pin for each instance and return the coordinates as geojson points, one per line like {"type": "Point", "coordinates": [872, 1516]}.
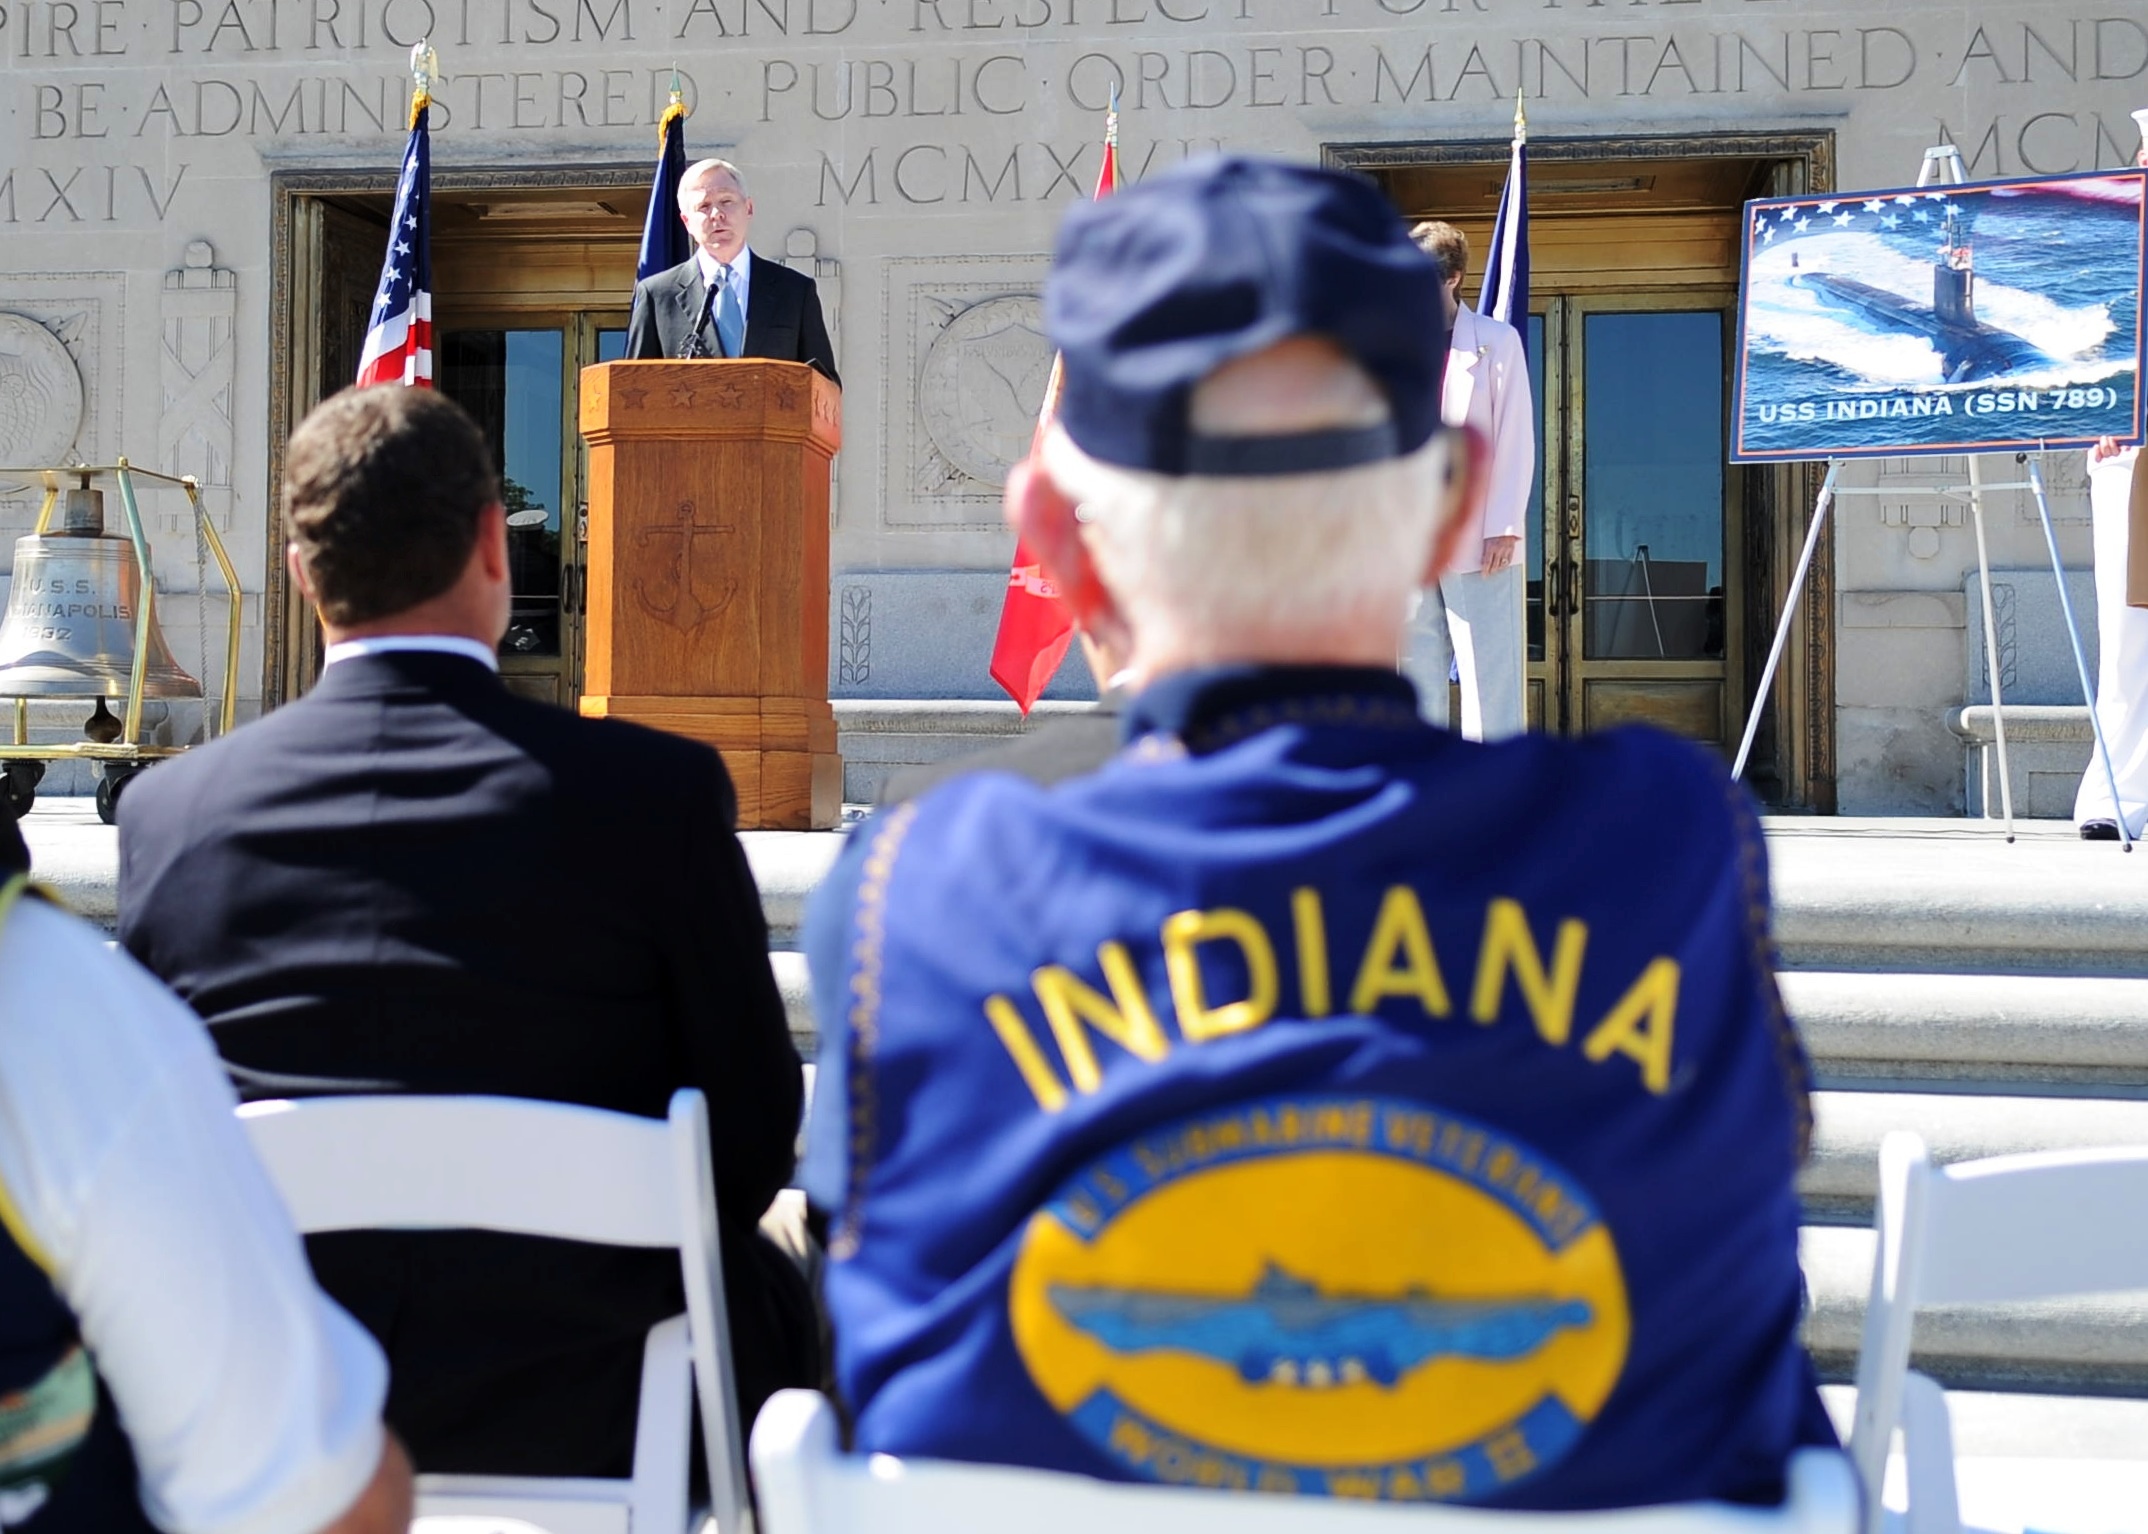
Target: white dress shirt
{"type": "Point", "coordinates": [1487, 386]}
{"type": "Point", "coordinates": [390, 644]}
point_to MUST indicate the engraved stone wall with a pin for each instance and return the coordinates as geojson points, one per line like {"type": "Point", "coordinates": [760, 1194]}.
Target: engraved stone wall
{"type": "Point", "coordinates": [967, 333]}
{"type": "Point", "coordinates": [196, 370]}
{"type": "Point", "coordinates": [916, 155]}
{"type": "Point", "coordinates": [60, 348]}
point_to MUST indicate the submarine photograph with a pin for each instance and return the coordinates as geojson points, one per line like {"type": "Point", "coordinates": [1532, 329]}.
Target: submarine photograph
{"type": "Point", "coordinates": [1941, 318]}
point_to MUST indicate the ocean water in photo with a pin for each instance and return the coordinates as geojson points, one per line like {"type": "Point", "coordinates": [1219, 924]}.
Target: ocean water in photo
{"type": "Point", "coordinates": [1847, 348]}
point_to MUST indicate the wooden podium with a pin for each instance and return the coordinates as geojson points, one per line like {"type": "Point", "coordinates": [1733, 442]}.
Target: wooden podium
{"type": "Point", "coordinates": [708, 569]}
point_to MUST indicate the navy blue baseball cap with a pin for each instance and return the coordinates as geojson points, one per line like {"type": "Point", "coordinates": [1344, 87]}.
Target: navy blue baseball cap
{"type": "Point", "coordinates": [1155, 287]}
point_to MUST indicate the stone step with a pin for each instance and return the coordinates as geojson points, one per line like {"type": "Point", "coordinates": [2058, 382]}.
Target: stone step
{"type": "Point", "coordinates": [1926, 897]}
{"type": "Point", "coordinates": [788, 865]}
{"type": "Point", "coordinates": [1939, 897]}
{"type": "Point", "coordinates": [797, 989]}
{"type": "Point", "coordinates": [2069, 1032]}
{"type": "Point", "coordinates": [1841, 1180]}
{"type": "Point", "coordinates": [2076, 1037]}
{"type": "Point", "coordinates": [880, 737]}
{"type": "Point", "coordinates": [1989, 1422]}
{"type": "Point", "coordinates": [2093, 1345]}
{"type": "Point", "coordinates": [1953, 897]}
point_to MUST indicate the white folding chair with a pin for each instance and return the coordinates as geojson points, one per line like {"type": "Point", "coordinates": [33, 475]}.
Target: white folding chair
{"type": "Point", "coordinates": [808, 1485]}
{"type": "Point", "coordinates": [1978, 1232]}
{"type": "Point", "coordinates": [542, 1169]}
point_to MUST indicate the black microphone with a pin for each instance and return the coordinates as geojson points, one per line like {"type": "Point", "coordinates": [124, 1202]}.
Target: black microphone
{"type": "Point", "coordinates": [695, 346]}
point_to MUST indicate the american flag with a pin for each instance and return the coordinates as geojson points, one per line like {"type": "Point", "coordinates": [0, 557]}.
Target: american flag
{"type": "Point", "coordinates": [399, 343]}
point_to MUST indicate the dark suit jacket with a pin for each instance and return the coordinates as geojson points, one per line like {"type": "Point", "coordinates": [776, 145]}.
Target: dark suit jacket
{"type": "Point", "coordinates": [1053, 752]}
{"type": "Point", "coordinates": [412, 880]}
{"type": "Point", "coordinates": [783, 318]}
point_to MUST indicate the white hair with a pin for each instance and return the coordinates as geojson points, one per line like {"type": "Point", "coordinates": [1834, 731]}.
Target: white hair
{"type": "Point", "coordinates": [700, 170]}
{"type": "Point", "coordinates": [1223, 559]}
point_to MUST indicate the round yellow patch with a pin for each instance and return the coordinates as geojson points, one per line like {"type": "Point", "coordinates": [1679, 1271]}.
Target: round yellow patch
{"type": "Point", "coordinates": [1357, 1296]}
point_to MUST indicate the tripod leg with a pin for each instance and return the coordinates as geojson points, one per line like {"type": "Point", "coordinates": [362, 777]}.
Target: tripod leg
{"type": "Point", "coordinates": [2080, 660]}
{"type": "Point", "coordinates": [1782, 629]}
{"type": "Point", "coordinates": [1991, 646]}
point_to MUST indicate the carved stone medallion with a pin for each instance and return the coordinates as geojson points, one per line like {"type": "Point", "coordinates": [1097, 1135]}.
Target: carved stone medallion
{"type": "Point", "coordinates": [982, 383]}
{"type": "Point", "coordinates": [40, 395]}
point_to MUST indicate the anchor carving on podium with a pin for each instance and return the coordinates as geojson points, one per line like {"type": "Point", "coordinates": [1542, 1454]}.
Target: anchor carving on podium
{"type": "Point", "coordinates": [681, 601]}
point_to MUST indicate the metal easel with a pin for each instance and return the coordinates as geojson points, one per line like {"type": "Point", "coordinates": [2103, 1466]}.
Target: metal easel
{"type": "Point", "coordinates": [1942, 166]}
{"type": "Point", "coordinates": [2073, 632]}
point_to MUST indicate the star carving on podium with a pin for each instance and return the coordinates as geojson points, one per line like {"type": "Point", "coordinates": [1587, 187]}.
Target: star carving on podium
{"type": "Point", "coordinates": [632, 398]}
{"type": "Point", "coordinates": [729, 394]}
{"type": "Point", "coordinates": [682, 394]}
{"type": "Point", "coordinates": [786, 396]}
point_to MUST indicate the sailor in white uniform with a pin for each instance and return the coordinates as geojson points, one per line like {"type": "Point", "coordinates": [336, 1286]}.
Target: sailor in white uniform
{"type": "Point", "coordinates": [2122, 640]}
{"type": "Point", "coordinates": [2122, 667]}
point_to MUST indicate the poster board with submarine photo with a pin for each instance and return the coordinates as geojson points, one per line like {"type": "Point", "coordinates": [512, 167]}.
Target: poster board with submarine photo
{"type": "Point", "coordinates": [1987, 316]}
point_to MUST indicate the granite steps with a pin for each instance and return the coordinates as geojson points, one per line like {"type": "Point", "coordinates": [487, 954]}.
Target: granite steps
{"type": "Point", "coordinates": [1993, 997]}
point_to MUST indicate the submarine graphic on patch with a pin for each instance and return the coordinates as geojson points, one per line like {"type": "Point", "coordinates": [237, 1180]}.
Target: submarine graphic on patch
{"type": "Point", "coordinates": [1330, 1294]}
{"type": "Point", "coordinates": [1287, 1332]}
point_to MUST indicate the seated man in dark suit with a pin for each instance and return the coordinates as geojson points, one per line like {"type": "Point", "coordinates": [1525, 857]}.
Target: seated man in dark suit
{"type": "Point", "coordinates": [723, 301]}
{"type": "Point", "coordinates": [413, 881]}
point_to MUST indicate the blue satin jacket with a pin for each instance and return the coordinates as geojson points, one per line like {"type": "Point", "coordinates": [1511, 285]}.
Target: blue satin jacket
{"type": "Point", "coordinates": [1312, 1101]}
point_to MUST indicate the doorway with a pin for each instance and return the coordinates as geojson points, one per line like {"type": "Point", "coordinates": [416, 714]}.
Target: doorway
{"type": "Point", "coordinates": [1629, 617]}
{"type": "Point", "coordinates": [532, 279]}
{"type": "Point", "coordinates": [518, 373]}
{"type": "Point", "coordinates": [1655, 569]}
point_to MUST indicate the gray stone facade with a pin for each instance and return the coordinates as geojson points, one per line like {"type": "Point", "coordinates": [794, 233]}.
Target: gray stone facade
{"type": "Point", "coordinates": [917, 154]}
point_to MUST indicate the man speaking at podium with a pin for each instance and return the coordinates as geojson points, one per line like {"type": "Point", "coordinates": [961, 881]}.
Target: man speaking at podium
{"type": "Point", "coordinates": [721, 301]}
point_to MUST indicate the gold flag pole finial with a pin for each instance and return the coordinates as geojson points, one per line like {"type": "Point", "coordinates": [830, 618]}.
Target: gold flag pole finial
{"type": "Point", "coordinates": [1521, 120]}
{"type": "Point", "coordinates": [424, 70]}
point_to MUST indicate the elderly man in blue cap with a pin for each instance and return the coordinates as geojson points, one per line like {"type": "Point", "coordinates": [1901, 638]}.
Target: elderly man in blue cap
{"type": "Point", "coordinates": [1309, 1100]}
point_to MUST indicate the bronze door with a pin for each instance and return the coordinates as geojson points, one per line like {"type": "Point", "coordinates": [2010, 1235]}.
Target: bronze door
{"type": "Point", "coordinates": [519, 373]}
{"type": "Point", "coordinates": [1630, 613]}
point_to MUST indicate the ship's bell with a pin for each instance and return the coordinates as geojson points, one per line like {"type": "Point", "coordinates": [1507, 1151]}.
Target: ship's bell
{"type": "Point", "coordinates": [69, 629]}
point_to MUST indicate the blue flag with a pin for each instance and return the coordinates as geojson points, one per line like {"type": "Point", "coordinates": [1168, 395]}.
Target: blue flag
{"type": "Point", "coordinates": [663, 237]}
{"type": "Point", "coordinates": [1505, 293]}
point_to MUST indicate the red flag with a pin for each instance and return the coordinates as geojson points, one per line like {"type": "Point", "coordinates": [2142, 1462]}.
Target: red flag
{"type": "Point", "coordinates": [1035, 627]}
{"type": "Point", "coordinates": [399, 343]}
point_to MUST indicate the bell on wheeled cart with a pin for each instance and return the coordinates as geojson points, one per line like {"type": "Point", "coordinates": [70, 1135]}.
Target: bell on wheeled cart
{"type": "Point", "coordinates": [69, 629]}
{"type": "Point", "coordinates": [69, 633]}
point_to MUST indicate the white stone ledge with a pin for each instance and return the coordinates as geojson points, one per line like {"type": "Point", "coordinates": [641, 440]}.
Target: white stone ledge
{"type": "Point", "coordinates": [2095, 1344]}
{"type": "Point", "coordinates": [2066, 722]}
{"type": "Point", "coordinates": [2042, 1028]}
{"type": "Point", "coordinates": [1842, 1179]}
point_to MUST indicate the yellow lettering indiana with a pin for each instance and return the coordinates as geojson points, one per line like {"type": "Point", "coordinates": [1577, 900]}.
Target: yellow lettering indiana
{"type": "Point", "coordinates": [1311, 924]}
{"type": "Point", "coordinates": [1028, 1058]}
{"type": "Point", "coordinates": [1183, 934]}
{"type": "Point", "coordinates": [1124, 1017]}
{"type": "Point", "coordinates": [1639, 1027]}
{"type": "Point", "coordinates": [1398, 958]}
{"type": "Point", "coordinates": [1510, 948]}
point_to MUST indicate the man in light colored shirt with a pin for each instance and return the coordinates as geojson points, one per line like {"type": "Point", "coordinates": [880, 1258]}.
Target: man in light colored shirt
{"type": "Point", "coordinates": [1471, 619]}
{"type": "Point", "coordinates": [166, 1360]}
{"type": "Point", "coordinates": [722, 301]}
